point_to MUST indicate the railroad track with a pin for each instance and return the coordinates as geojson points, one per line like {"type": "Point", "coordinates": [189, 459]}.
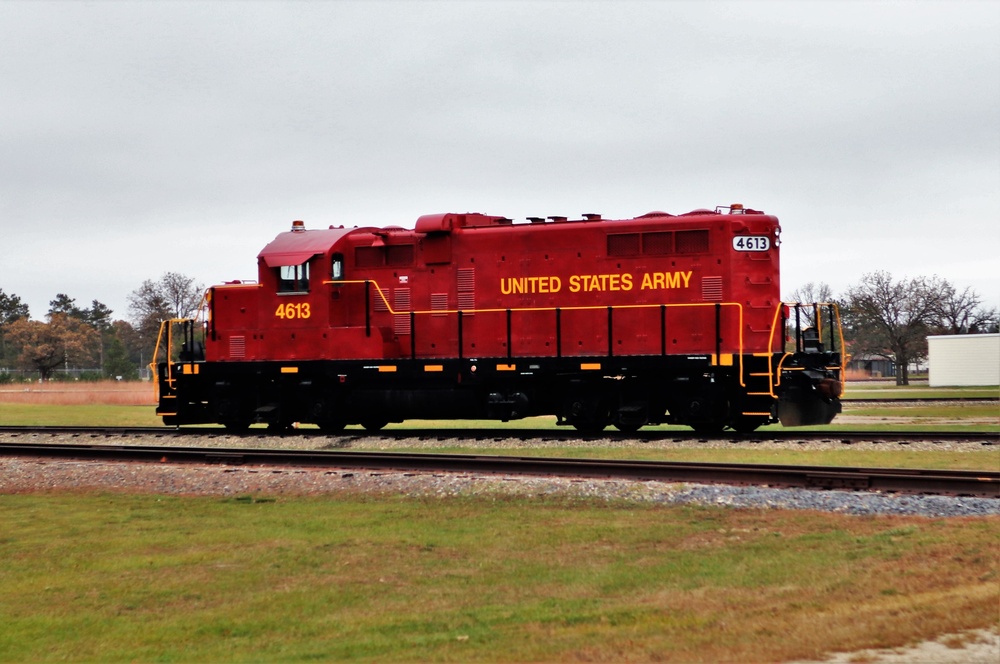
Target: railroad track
{"type": "Point", "coordinates": [888, 480]}
{"type": "Point", "coordinates": [846, 437]}
{"type": "Point", "coordinates": [853, 401]}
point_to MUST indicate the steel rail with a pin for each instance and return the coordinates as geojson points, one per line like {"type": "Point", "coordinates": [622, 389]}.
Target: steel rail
{"type": "Point", "coordinates": [856, 401]}
{"type": "Point", "coordinates": [890, 480]}
{"type": "Point", "coordinates": [647, 435]}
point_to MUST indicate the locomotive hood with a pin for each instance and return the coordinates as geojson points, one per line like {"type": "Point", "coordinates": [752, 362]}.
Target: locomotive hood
{"type": "Point", "coordinates": [296, 247]}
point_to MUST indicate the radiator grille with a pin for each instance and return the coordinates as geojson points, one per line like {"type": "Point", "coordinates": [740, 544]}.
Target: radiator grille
{"type": "Point", "coordinates": [401, 303]}
{"type": "Point", "coordinates": [624, 244]}
{"type": "Point", "coordinates": [237, 347]}
{"type": "Point", "coordinates": [439, 302]}
{"type": "Point", "coordinates": [711, 289]}
{"type": "Point", "coordinates": [467, 289]}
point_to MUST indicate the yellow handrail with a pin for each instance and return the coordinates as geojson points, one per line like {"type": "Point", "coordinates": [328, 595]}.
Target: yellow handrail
{"type": "Point", "coordinates": [430, 312]}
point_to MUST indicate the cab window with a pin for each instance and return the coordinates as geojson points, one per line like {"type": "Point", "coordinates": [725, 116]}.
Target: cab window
{"type": "Point", "coordinates": [337, 267]}
{"type": "Point", "coordinates": [293, 278]}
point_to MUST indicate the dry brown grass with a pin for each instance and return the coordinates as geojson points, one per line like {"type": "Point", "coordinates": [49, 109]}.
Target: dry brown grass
{"type": "Point", "coordinates": [108, 392]}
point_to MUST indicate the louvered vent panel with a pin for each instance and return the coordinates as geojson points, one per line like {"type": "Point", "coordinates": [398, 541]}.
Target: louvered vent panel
{"type": "Point", "coordinates": [625, 244]}
{"type": "Point", "coordinates": [467, 279]}
{"type": "Point", "coordinates": [378, 301]}
{"type": "Point", "coordinates": [401, 304]}
{"type": "Point", "coordinates": [398, 255]}
{"type": "Point", "coordinates": [369, 257]}
{"type": "Point", "coordinates": [439, 302]}
{"type": "Point", "coordinates": [237, 347]}
{"type": "Point", "coordinates": [711, 289]}
{"type": "Point", "coordinates": [467, 289]}
{"type": "Point", "coordinates": [658, 244]}
{"type": "Point", "coordinates": [692, 242]}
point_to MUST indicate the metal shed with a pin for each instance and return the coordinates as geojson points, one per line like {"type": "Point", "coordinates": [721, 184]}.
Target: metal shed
{"type": "Point", "coordinates": [964, 359]}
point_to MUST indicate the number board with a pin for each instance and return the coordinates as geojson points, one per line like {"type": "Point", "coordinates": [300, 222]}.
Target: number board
{"type": "Point", "coordinates": [751, 243]}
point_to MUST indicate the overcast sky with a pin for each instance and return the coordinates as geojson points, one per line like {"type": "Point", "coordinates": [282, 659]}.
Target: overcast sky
{"type": "Point", "coordinates": [138, 138]}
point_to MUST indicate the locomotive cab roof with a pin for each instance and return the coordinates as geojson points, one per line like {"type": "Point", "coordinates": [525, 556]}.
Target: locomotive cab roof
{"type": "Point", "coordinates": [296, 247]}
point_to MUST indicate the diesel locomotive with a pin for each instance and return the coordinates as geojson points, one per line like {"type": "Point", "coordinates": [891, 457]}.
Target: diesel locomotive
{"type": "Point", "coordinates": [657, 319]}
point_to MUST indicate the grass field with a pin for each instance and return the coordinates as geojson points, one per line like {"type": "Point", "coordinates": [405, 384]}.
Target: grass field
{"type": "Point", "coordinates": [170, 579]}
{"type": "Point", "coordinates": [132, 404]}
{"type": "Point", "coordinates": [120, 577]}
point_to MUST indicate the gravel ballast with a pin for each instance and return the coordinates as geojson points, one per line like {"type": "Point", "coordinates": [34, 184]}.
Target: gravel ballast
{"type": "Point", "coordinates": [19, 475]}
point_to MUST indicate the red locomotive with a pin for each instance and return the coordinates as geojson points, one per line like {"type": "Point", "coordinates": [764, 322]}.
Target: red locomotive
{"type": "Point", "coordinates": [657, 319]}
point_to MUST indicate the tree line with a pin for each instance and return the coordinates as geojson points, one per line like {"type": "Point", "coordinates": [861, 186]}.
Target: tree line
{"type": "Point", "coordinates": [74, 337]}
{"type": "Point", "coordinates": [889, 318]}
{"type": "Point", "coordinates": [882, 317]}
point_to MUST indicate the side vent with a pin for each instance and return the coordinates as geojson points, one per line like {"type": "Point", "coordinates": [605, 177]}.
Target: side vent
{"type": "Point", "coordinates": [711, 289]}
{"type": "Point", "coordinates": [401, 304]}
{"type": "Point", "coordinates": [692, 242]}
{"type": "Point", "coordinates": [467, 289]}
{"type": "Point", "coordinates": [237, 347]}
{"type": "Point", "coordinates": [658, 244]}
{"type": "Point", "coordinates": [623, 244]}
{"type": "Point", "coordinates": [378, 301]}
{"type": "Point", "coordinates": [439, 302]}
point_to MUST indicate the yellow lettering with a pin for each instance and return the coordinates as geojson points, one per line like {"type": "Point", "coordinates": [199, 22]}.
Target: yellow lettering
{"type": "Point", "coordinates": [574, 283]}
{"type": "Point", "coordinates": [661, 280]}
{"type": "Point", "coordinates": [555, 284]}
{"type": "Point", "coordinates": [626, 281]}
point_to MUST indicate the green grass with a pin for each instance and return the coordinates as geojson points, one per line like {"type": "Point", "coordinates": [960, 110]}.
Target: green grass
{"type": "Point", "coordinates": [969, 410]}
{"type": "Point", "coordinates": [888, 390]}
{"type": "Point", "coordinates": [15, 414]}
{"type": "Point", "coordinates": [170, 579]}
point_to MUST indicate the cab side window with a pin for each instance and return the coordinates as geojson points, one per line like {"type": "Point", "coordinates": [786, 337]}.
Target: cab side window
{"type": "Point", "coordinates": [293, 278]}
{"type": "Point", "coordinates": [337, 267]}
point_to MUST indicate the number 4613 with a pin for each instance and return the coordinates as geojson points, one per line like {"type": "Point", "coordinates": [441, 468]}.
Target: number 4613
{"type": "Point", "coordinates": [293, 310]}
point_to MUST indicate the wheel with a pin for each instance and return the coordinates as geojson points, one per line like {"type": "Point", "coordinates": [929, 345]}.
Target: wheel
{"type": "Point", "coordinates": [747, 424]}
{"type": "Point", "coordinates": [374, 425]}
{"type": "Point", "coordinates": [329, 426]}
{"type": "Point", "coordinates": [590, 426]}
{"type": "Point", "coordinates": [280, 426]}
{"type": "Point", "coordinates": [631, 418]}
{"type": "Point", "coordinates": [629, 426]}
{"type": "Point", "coordinates": [711, 428]}
{"type": "Point", "coordinates": [237, 426]}
{"type": "Point", "coordinates": [589, 415]}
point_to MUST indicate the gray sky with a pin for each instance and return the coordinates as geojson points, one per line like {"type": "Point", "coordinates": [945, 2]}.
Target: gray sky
{"type": "Point", "coordinates": [138, 138]}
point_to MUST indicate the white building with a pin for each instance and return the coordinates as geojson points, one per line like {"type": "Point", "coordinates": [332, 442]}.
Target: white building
{"type": "Point", "coordinates": [963, 359]}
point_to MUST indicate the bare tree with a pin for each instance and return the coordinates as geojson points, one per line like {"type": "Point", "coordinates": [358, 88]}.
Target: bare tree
{"type": "Point", "coordinates": [172, 296]}
{"type": "Point", "coordinates": [891, 318]}
{"type": "Point", "coordinates": [811, 292]}
{"type": "Point", "coordinates": [964, 313]}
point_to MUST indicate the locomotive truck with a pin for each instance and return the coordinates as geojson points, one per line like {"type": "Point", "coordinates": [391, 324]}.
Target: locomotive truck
{"type": "Point", "coordinates": [657, 319]}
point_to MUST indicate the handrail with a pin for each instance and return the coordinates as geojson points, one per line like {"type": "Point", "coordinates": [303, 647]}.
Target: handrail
{"type": "Point", "coordinates": [168, 326]}
{"type": "Point", "coordinates": [595, 307]}
{"type": "Point", "coordinates": [775, 375]}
